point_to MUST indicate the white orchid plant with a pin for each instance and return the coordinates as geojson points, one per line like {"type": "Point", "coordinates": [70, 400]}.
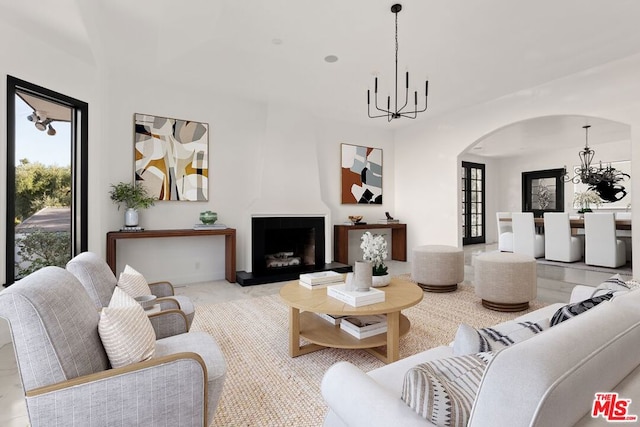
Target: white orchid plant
{"type": "Point", "coordinates": [374, 250]}
{"type": "Point", "coordinates": [586, 198]}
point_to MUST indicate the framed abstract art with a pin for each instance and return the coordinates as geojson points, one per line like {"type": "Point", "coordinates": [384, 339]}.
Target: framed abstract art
{"type": "Point", "coordinates": [172, 157]}
{"type": "Point", "coordinates": [361, 174]}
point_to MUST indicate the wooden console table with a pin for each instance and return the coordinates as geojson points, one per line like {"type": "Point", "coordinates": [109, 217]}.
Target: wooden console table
{"type": "Point", "coordinates": [228, 233]}
{"type": "Point", "coordinates": [341, 240]}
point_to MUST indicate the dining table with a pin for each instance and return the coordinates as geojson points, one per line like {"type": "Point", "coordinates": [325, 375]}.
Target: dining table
{"type": "Point", "coordinates": [577, 223]}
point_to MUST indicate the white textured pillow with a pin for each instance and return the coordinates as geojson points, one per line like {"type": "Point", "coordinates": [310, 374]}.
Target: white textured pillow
{"type": "Point", "coordinates": [133, 283]}
{"type": "Point", "coordinates": [443, 390]}
{"type": "Point", "coordinates": [126, 334]}
{"type": "Point", "coordinates": [469, 340]}
{"type": "Point", "coordinates": [121, 299]}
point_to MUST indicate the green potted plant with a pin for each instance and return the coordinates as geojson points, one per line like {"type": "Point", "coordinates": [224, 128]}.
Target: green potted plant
{"type": "Point", "coordinates": [134, 197]}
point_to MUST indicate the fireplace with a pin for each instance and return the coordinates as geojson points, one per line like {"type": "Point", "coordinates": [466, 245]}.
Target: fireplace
{"type": "Point", "coordinates": [282, 247]}
{"type": "Point", "coordinates": [286, 244]}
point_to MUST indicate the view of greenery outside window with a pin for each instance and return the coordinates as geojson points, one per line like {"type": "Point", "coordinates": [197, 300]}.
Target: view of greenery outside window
{"type": "Point", "coordinates": [40, 186]}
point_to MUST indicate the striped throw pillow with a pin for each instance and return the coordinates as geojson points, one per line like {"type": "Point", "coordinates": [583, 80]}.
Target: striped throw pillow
{"type": "Point", "coordinates": [126, 334]}
{"type": "Point", "coordinates": [133, 283]}
{"type": "Point", "coordinates": [468, 340]}
{"type": "Point", "coordinates": [442, 391]}
{"type": "Point", "coordinates": [120, 298]}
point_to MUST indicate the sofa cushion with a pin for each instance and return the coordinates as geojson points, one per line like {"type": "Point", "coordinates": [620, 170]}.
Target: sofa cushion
{"type": "Point", "coordinates": [133, 282]}
{"type": "Point", "coordinates": [126, 334]}
{"type": "Point", "coordinates": [469, 340]}
{"type": "Point", "coordinates": [572, 310]}
{"type": "Point", "coordinates": [443, 390]}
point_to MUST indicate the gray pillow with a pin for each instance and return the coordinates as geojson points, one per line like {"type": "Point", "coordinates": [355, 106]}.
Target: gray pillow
{"type": "Point", "coordinates": [572, 310]}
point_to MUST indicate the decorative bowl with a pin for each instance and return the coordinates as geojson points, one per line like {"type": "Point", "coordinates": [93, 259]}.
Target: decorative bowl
{"type": "Point", "coordinates": [355, 218]}
{"type": "Point", "coordinates": [146, 301]}
{"type": "Point", "coordinates": [208, 217]}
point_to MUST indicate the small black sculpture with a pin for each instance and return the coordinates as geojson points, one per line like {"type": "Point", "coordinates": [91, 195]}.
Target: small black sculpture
{"type": "Point", "coordinates": [388, 216]}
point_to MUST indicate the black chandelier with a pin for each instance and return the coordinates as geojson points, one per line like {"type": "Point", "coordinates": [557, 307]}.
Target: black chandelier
{"type": "Point", "coordinates": [592, 175]}
{"type": "Point", "coordinates": [396, 113]}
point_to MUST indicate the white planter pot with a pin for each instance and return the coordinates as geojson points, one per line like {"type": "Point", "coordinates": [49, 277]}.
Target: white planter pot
{"type": "Point", "coordinates": [380, 281]}
{"type": "Point", "coordinates": [131, 217]}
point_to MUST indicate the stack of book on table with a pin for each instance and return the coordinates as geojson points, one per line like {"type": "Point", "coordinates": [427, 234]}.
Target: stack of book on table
{"type": "Point", "coordinates": [388, 221]}
{"type": "Point", "coordinates": [355, 298]}
{"type": "Point", "coordinates": [217, 226]}
{"type": "Point", "coordinates": [364, 326]}
{"type": "Point", "coordinates": [331, 318]}
{"type": "Point", "coordinates": [320, 279]}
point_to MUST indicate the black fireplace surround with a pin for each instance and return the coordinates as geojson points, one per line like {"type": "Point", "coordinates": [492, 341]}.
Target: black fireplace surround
{"type": "Point", "coordinates": [283, 247]}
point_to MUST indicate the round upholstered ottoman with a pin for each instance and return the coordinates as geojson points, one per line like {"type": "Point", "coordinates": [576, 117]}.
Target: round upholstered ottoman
{"type": "Point", "coordinates": [437, 268]}
{"type": "Point", "coordinates": [505, 281]}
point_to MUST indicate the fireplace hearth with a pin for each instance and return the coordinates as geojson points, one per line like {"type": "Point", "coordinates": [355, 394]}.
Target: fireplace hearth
{"type": "Point", "coordinates": [283, 247]}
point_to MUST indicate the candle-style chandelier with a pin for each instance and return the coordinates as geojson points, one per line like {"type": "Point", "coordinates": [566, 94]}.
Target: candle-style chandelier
{"type": "Point", "coordinates": [396, 113]}
{"type": "Point", "coordinates": [592, 175]}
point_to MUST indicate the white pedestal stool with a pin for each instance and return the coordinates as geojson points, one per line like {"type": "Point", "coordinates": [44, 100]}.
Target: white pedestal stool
{"type": "Point", "coordinates": [505, 281]}
{"type": "Point", "coordinates": [437, 268]}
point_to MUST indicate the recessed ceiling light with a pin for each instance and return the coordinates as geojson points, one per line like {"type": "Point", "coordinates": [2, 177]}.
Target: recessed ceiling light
{"type": "Point", "coordinates": [331, 58]}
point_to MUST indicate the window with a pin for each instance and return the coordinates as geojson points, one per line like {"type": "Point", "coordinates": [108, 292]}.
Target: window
{"type": "Point", "coordinates": [46, 212]}
{"type": "Point", "coordinates": [473, 199]}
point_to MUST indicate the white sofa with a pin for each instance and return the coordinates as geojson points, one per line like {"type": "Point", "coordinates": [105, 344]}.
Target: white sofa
{"type": "Point", "coordinates": [548, 380]}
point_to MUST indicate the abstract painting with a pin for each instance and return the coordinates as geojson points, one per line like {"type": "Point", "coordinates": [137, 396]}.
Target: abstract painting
{"type": "Point", "coordinates": [361, 174]}
{"type": "Point", "coordinates": [171, 157]}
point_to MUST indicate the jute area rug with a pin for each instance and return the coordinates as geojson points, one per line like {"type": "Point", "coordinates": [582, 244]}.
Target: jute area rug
{"type": "Point", "coordinates": [266, 387]}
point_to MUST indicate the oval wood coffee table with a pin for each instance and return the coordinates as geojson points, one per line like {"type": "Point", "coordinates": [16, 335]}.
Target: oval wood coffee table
{"type": "Point", "coordinates": [303, 322]}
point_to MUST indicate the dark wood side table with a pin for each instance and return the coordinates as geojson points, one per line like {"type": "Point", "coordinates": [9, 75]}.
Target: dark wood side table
{"type": "Point", "coordinates": [341, 240]}
{"type": "Point", "coordinates": [228, 233]}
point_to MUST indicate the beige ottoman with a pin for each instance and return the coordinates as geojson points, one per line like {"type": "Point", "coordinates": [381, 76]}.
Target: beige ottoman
{"type": "Point", "coordinates": [505, 281]}
{"type": "Point", "coordinates": [437, 268]}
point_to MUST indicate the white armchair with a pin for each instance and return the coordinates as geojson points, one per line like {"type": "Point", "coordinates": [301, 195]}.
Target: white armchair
{"type": "Point", "coordinates": [66, 374]}
{"type": "Point", "coordinates": [505, 232]}
{"type": "Point", "coordinates": [559, 244]}
{"type": "Point", "coordinates": [525, 239]}
{"type": "Point", "coordinates": [602, 247]}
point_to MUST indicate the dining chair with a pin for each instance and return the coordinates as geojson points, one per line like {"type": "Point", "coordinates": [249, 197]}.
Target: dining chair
{"type": "Point", "coordinates": [602, 247]}
{"type": "Point", "coordinates": [525, 239]}
{"type": "Point", "coordinates": [559, 244]}
{"type": "Point", "coordinates": [505, 232]}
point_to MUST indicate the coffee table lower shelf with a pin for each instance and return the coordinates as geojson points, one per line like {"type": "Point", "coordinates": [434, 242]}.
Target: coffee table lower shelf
{"type": "Point", "coordinates": [323, 334]}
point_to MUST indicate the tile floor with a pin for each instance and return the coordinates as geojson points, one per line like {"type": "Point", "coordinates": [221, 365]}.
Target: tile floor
{"type": "Point", "coordinates": [554, 285]}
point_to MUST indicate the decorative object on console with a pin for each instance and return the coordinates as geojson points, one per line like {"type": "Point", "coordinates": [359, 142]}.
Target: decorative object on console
{"type": "Point", "coordinates": [396, 113]}
{"type": "Point", "coordinates": [591, 175]}
{"type": "Point", "coordinates": [134, 197]}
{"type": "Point", "coordinates": [355, 219]}
{"type": "Point", "coordinates": [375, 251]}
{"type": "Point", "coordinates": [585, 199]}
{"type": "Point", "coordinates": [361, 176]}
{"type": "Point", "coordinates": [171, 157]}
{"type": "Point", "coordinates": [208, 217]}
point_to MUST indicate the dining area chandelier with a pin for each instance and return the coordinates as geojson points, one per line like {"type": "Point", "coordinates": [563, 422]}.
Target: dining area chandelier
{"type": "Point", "coordinates": [589, 174]}
{"type": "Point", "coordinates": [396, 112]}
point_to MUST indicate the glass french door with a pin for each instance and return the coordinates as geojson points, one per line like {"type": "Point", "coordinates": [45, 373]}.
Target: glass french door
{"type": "Point", "coordinates": [473, 203]}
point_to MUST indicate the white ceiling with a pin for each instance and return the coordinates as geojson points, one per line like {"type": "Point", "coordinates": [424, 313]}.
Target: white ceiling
{"type": "Point", "coordinates": [471, 51]}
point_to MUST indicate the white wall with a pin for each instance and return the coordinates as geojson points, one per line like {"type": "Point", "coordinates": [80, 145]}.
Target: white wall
{"type": "Point", "coordinates": [427, 180]}
{"type": "Point", "coordinates": [30, 59]}
{"type": "Point", "coordinates": [263, 159]}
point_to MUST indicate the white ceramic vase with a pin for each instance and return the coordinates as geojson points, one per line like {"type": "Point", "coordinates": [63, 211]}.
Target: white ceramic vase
{"type": "Point", "coordinates": [131, 217]}
{"type": "Point", "coordinates": [380, 281]}
{"type": "Point", "coordinates": [362, 275]}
